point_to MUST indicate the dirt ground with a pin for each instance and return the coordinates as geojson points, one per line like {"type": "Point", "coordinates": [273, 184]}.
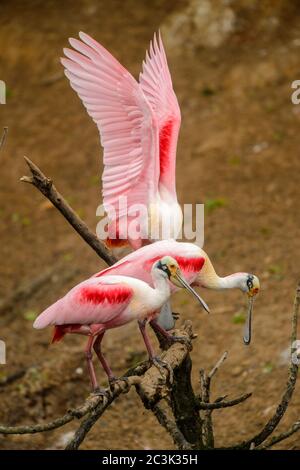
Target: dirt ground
{"type": "Point", "coordinates": [238, 152]}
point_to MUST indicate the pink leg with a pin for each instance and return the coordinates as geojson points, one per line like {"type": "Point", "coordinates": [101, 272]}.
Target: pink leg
{"type": "Point", "coordinates": [89, 355]}
{"type": "Point", "coordinates": [161, 330]}
{"type": "Point", "coordinates": [154, 360]}
{"type": "Point", "coordinates": [104, 363]}
{"type": "Point", "coordinates": [171, 338]}
{"type": "Point", "coordinates": [142, 325]}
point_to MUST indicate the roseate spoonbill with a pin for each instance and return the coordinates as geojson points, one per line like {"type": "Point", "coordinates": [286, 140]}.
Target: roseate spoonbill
{"type": "Point", "coordinates": [139, 124]}
{"type": "Point", "coordinates": [101, 303]}
{"type": "Point", "coordinates": [197, 269]}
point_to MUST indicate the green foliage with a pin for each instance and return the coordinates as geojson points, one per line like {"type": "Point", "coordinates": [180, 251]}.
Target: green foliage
{"type": "Point", "coordinates": [238, 318]}
{"type": "Point", "coordinates": [276, 272]}
{"type": "Point", "coordinates": [30, 315]}
{"type": "Point", "coordinates": [268, 367]}
{"type": "Point", "coordinates": [213, 204]}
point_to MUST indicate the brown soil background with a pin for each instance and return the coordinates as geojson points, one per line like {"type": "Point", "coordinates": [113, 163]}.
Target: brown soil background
{"type": "Point", "coordinates": [239, 142]}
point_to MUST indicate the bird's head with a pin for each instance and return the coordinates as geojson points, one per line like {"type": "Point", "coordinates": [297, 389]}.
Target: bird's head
{"type": "Point", "coordinates": [169, 268]}
{"type": "Point", "coordinates": [249, 283]}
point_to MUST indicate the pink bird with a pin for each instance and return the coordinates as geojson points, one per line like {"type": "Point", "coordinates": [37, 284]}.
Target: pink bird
{"type": "Point", "coordinates": [101, 303]}
{"type": "Point", "coordinates": [139, 124]}
{"type": "Point", "coordinates": [197, 269]}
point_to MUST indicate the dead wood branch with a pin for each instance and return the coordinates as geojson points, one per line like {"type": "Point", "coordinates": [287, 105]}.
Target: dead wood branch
{"type": "Point", "coordinates": [205, 381]}
{"type": "Point", "coordinates": [3, 137]}
{"type": "Point", "coordinates": [280, 437]}
{"type": "Point", "coordinates": [162, 414]}
{"type": "Point", "coordinates": [47, 188]}
{"type": "Point", "coordinates": [217, 405]}
{"type": "Point", "coordinates": [273, 422]}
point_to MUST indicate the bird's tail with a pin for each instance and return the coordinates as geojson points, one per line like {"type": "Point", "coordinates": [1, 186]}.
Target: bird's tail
{"type": "Point", "coordinates": [114, 239]}
{"type": "Point", "coordinates": [59, 332]}
{"type": "Point", "coordinates": [115, 242]}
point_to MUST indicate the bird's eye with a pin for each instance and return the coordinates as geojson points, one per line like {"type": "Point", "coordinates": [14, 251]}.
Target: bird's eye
{"type": "Point", "coordinates": [250, 282]}
{"type": "Point", "coordinates": [172, 265]}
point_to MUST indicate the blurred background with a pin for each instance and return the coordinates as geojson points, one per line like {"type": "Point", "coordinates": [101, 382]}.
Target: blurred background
{"type": "Point", "coordinates": [232, 64]}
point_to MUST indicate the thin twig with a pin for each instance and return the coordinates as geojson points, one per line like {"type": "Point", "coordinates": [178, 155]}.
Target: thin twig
{"type": "Point", "coordinates": [293, 370]}
{"type": "Point", "coordinates": [3, 137]}
{"type": "Point", "coordinates": [280, 437]}
{"type": "Point", "coordinates": [92, 403]}
{"type": "Point", "coordinates": [47, 188]}
{"type": "Point", "coordinates": [205, 381]}
{"type": "Point", "coordinates": [93, 416]}
{"type": "Point", "coordinates": [222, 404]}
{"type": "Point", "coordinates": [214, 370]}
{"type": "Point", "coordinates": [13, 377]}
{"type": "Point", "coordinates": [207, 425]}
{"type": "Point", "coordinates": [288, 393]}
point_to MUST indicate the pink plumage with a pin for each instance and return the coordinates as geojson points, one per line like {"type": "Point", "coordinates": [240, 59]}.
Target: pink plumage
{"type": "Point", "coordinates": [139, 124]}
{"type": "Point", "coordinates": [138, 264]}
{"type": "Point", "coordinates": [92, 301]}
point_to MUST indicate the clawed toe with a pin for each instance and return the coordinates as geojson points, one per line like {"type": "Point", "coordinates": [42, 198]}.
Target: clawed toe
{"type": "Point", "coordinates": [160, 365]}
{"type": "Point", "coordinates": [100, 392]}
{"type": "Point", "coordinates": [118, 381]}
{"type": "Point", "coordinates": [182, 339]}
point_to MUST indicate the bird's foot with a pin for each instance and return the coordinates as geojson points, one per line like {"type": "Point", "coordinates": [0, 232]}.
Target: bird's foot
{"type": "Point", "coordinates": [120, 382]}
{"type": "Point", "coordinates": [161, 365]}
{"type": "Point", "coordinates": [182, 339]}
{"type": "Point", "coordinates": [99, 392]}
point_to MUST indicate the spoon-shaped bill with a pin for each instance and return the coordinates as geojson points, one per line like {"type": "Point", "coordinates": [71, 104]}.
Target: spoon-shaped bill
{"type": "Point", "coordinates": [248, 324]}
{"type": "Point", "coordinates": [184, 284]}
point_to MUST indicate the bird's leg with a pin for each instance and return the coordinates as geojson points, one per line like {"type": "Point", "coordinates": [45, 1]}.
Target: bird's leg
{"type": "Point", "coordinates": [154, 359]}
{"type": "Point", "coordinates": [89, 355]}
{"type": "Point", "coordinates": [171, 338]}
{"type": "Point", "coordinates": [142, 325]}
{"type": "Point", "coordinates": [104, 363]}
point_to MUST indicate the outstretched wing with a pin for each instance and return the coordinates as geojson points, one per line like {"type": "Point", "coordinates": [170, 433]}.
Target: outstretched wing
{"type": "Point", "coordinates": [127, 126]}
{"type": "Point", "coordinates": [157, 86]}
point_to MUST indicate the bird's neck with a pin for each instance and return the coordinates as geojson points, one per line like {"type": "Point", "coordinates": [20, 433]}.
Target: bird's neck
{"type": "Point", "coordinates": [161, 284]}
{"type": "Point", "coordinates": [209, 278]}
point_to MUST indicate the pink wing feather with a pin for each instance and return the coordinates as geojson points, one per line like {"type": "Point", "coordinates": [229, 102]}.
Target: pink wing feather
{"type": "Point", "coordinates": [91, 301]}
{"type": "Point", "coordinates": [157, 86]}
{"type": "Point", "coordinates": [127, 125]}
{"type": "Point", "coordinates": [138, 264]}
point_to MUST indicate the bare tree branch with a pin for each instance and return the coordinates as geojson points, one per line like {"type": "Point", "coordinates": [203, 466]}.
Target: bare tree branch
{"type": "Point", "coordinates": [161, 413]}
{"type": "Point", "coordinates": [280, 437]}
{"type": "Point", "coordinates": [92, 403]}
{"type": "Point", "coordinates": [273, 422]}
{"type": "Point", "coordinates": [205, 381]}
{"type": "Point", "coordinates": [290, 386]}
{"type": "Point", "coordinates": [3, 137]}
{"type": "Point", "coordinates": [217, 405]}
{"type": "Point", "coordinates": [47, 188]}
{"type": "Point", "coordinates": [97, 411]}
{"type": "Point", "coordinates": [215, 369]}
